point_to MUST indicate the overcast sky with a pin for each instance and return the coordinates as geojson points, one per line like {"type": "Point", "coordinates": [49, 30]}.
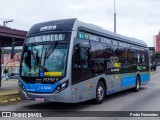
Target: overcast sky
{"type": "Point", "coordinates": [135, 18]}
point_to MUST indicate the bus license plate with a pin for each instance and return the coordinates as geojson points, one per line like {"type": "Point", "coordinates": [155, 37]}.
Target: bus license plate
{"type": "Point", "coordinates": [39, 99]}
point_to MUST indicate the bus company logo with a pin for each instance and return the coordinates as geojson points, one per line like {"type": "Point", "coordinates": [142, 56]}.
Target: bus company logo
{"type": "Point", "coordinates": [49, 27]}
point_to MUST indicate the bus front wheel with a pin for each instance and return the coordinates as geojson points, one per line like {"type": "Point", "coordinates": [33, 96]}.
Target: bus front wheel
{"type": "Point", "coordinates": [100, 92]}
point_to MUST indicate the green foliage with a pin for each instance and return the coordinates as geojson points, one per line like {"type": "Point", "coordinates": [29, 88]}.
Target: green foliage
{"type": "Point", "coordinates": [157, 55]}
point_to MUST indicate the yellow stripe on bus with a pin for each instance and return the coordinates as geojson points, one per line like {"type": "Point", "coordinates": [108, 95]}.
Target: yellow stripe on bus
{"type": "Point", "coordinates": [53, 73]}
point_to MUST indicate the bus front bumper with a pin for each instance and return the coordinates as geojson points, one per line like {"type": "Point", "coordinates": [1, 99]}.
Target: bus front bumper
{"type": "Point", "coordinates": [63, 96]}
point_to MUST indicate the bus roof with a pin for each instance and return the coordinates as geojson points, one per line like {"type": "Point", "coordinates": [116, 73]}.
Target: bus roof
{"type": "Point", "coordinates": [74, 24]}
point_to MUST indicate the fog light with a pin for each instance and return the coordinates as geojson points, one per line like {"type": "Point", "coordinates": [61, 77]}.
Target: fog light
{"type": "Point", "coordinates": [62, 86]}
{"type": "Point", "coordinates": [21, 86]}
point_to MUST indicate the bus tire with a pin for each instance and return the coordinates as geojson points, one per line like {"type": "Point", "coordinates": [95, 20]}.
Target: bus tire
{"type": "Point", "coordinates": [137, 87]}
{"type": "Point", "coordinates": [100, 92]}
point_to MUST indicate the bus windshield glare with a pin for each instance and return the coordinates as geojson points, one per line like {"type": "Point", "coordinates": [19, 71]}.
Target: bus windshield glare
{"type": "Point", "coordinates": [44, 60]}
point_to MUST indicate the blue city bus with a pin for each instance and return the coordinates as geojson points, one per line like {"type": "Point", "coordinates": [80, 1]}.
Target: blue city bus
{"type": "Point", "coordinates": [71, 61]}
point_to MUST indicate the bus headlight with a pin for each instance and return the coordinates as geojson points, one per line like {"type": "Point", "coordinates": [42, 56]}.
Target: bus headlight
{"type": "Point", "coordinates": [21, 86]}
{"type": "Point", "coordinates": [61, 87]}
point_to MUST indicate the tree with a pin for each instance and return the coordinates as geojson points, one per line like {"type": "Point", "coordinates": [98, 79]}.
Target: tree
{"type": "Point", "coordinates": [156, 57]}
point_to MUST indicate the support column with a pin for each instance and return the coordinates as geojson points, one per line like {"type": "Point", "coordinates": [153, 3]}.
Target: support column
{"type": "Point", "coordinates": [0, 63]}
{"type": "Point", "coordinates": [13, 40]}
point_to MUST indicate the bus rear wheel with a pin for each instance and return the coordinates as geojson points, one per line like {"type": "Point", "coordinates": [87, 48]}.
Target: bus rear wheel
{"type": "Point", "coordinates": [100, 92]}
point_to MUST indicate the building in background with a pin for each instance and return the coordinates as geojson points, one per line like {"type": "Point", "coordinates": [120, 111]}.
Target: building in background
{"type": "Point", "coordinates": [156, 42]}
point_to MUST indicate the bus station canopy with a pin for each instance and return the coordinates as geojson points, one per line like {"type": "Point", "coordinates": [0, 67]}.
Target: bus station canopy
{"type": "Point", "coordinates": [7, 37]}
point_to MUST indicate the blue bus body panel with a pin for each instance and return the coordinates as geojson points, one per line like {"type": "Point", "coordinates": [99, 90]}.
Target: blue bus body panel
{"type": "Point", "coordinates": [40, 88]}
{"type": "Point", "coordinates": [129, 80]}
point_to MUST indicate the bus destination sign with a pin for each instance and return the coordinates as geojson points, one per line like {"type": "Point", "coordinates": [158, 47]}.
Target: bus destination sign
{"type": "Point", "coordinates": [45, 38]}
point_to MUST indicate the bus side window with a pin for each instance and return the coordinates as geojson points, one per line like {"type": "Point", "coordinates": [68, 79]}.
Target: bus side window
{"type": "Point", "coordinates": [84, 57]}
{"type": "Point", "coordinates": [97, 57]}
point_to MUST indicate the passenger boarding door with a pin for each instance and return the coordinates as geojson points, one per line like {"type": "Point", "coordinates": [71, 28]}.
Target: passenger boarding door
{"type": "Point", "coordinates": [81, 61]}
{"type": "Point", "coordinates": [81, 72]}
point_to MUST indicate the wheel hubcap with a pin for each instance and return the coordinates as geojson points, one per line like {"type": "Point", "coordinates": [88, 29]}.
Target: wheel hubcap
{"type": "Point", "coordinates": [100, 93]}
{"type": "Point", "coordinates": [137, 83]}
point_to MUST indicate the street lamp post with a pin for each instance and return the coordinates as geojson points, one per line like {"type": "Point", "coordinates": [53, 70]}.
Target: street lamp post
{"type": "Point", "coordinates": [114, 17]}
{"type": "Point", "coordinates": [6, 22]}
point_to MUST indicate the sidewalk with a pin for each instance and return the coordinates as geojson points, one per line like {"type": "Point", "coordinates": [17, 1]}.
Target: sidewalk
{"type": "Point", "coordinates": [9, 91]}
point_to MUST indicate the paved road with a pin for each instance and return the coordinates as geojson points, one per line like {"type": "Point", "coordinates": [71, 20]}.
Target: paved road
{"type": "Point", "coordinates": [147, 99]}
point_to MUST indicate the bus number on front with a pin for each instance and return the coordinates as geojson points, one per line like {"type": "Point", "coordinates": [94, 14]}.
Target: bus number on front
{"type": "Point", "coordinates": [46, 88]}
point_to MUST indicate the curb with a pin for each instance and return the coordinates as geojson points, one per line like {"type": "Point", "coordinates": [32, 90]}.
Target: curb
{"type": "Point", "coordinates": [9, 98]}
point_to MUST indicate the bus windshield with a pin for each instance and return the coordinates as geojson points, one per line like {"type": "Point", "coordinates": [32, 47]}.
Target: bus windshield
{"type": "Point", "coordinates": [44, 60]}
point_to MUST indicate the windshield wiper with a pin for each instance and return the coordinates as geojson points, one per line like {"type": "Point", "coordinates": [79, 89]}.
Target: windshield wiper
{"type": "Point", "coordinates": [50, 50]}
